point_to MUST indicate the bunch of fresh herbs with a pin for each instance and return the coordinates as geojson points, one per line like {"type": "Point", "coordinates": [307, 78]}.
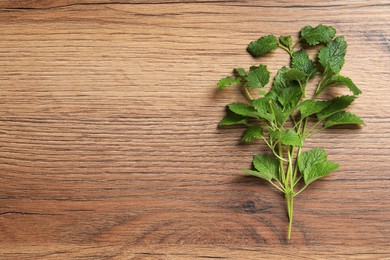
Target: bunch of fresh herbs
{"type": "Point", "coordinates": [284, 116]}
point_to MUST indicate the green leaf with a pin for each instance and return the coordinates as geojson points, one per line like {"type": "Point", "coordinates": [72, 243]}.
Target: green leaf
{"type": "Point", "coordinates": [240, 72]}
{"type": "Point", "coordinates": [317, 35]}
{"type": "Point", "coordinates": [338, 80]}
{"type": "Point", "coordinates": [267, 164]}
{"type": "Point", "coordinates": [261, 175]}
{"type": "Point", "coordinates": [332, 55]}
{"type": "Point", "coordinates": [311, 157]}
{"type": "Point", "coordinates": [262, 107]}
{"type": "Point", "coordinates": [252, 133]}
{"type": "Point", "coordinates": [319, 170]}
{"type": "Point", "coordinates": [263, 46]}
{"type": "Point", "coordinates": [243, 109]}
{"type": "Point", "coordinates": [280, 81]}
{"type": "Point", "coordinates": [343, 118]}
{"type": "Point", "coordinates": [290, 137]}
{"type": "Point", "coordinates": [232, 119]}
{"type": "Point", "coordinates": [285, 91]}
{"type": "Point", "coordinates": [281, 114]}
{"type": "Point", "coordinates": [310, 107]}
{"type": "Point", "coordinates": [335, 105]}
{"type": "Point", "coordinates": [289, 97]}
{"type": "Point", "coordinates": [227, 81]}
{"type": "Point", "coordinates": [300, 61]}
{"type": "Point", "coordinates": [314, 164]}
{"type": "Point", "coordinates": [258, 76]}
{"type": "Point", "coordinates": [295, 74]}
{"type": "Point", "coordinates": [286, 41]}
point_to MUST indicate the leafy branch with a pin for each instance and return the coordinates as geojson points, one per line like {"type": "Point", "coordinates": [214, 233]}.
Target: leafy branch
{"type": "Point", "coordinates": [283, 117]}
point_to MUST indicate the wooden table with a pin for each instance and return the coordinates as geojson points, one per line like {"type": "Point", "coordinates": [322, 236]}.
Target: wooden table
{"type": "Point", "coordinates": [109, 145]}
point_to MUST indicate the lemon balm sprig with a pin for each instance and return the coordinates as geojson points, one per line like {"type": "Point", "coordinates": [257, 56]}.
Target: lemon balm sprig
{"type": "Point", "coordinates": [280, 116]}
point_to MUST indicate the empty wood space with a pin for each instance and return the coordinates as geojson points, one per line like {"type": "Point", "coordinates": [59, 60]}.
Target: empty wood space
{"type": "Point", "coordinates": [109, 140]}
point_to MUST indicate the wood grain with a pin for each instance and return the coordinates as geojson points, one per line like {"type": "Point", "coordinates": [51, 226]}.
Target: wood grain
{"type": "Point", "coordinates": [109, 146]}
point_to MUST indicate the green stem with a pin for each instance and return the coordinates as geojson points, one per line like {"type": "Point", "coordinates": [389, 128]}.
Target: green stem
{"type": "Point", "coordinates": [304, 126]}
{"type": "Point", "coordinates": [273, 149]}
{"type": "Point", "coordinates": [313, 133]}
{"type": "Point", "coordinates": [275, 123]}
{"type": "Point", "coordinates": [298, 124]}
{"type": "Point", "coordinates": [290, 166]}
{"type": "Point", "coordinates": [281, 185]}
{"type": "Point", "coordinates": [300, 190]}
{"type": "Point", "coordinates": [293, 120]}
{"type": "Point", "coordinates": [319, 86]}
{"type": "Point", "coordinates": [296, 166]}
{"type": "Point", "coordinates": [287, 50]}
{"type": "Point", "coordinates": [292, 48]}
{"type": "Point", "coordinates": [302, 89]}
{"type": "Point", "coordinates": [281, 188]}
{"type": "Point", "coordinates": [290, 209]}
{"type": "Point", "coordinates": [280, 148]}
{"type": "Point", "coordinates": [247, 94]}
{"type": "Point", "coordinates": [314, 127]}
{"type": "Point", "coordinates": [289, 191]}
{"type": "Point", "coordinates": [297, 180]}
{"type": "Point", "coordinates": [303, 133]}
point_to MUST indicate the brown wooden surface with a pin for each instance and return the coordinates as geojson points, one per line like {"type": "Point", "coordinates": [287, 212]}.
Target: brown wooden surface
{"type": "Point", "coordinates": [109, 146]}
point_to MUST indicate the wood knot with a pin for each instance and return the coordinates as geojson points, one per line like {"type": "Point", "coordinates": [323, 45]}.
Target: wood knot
{"type": "Point", "coordinates": [249, 206]}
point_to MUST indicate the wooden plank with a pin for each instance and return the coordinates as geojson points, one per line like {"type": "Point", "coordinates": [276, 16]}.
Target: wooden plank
{"type": "Point", "coordinates": [109, 145]}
